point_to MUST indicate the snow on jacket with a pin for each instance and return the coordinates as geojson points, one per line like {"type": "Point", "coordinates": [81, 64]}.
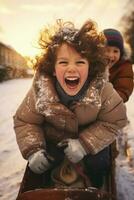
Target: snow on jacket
{"type": "Point", "coordinates": [121, 76]}
{"type": "Point", "coordinates": [96, 119]}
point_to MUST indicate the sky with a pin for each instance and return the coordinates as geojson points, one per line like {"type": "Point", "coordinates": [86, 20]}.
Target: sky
{"type": "Point", "coordinates": [22, 20]}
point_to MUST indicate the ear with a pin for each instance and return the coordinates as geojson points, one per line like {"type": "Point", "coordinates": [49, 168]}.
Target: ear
{"type": "Point", "coordinates": [54, 74]}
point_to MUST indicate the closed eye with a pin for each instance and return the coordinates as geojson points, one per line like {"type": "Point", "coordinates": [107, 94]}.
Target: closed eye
{"type": "Point", "coordinates": [116, 51]}
{"type": "Point", "coordinates": [62, 62]}
{"type": "Point", "coordinates": [81, 62]}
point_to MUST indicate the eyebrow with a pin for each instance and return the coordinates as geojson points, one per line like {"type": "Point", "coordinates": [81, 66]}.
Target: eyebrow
{"type": "Point", "coordinates": [62, 58]}
{"type": "Point", "coordinates": [65, 58]}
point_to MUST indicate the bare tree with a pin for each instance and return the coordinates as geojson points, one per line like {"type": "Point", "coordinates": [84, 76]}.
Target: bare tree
{"type": "Point", "coordinates": [127, 23]}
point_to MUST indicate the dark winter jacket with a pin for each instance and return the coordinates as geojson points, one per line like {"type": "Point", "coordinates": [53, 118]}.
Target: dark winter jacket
{"type": "Point", "coordinates": [96, 119]}
{"type": "Point", "coordinates": [121, 76]}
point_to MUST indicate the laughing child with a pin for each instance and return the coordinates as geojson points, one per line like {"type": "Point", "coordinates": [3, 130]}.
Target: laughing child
{"type": "Point", "coordinates": [120, 67]}
{"type": "Point", "coordinates": [70, 103]}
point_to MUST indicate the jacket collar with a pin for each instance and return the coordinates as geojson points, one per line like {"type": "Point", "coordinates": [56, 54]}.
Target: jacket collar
{"type": "Point", "coordinates": [46, 95]}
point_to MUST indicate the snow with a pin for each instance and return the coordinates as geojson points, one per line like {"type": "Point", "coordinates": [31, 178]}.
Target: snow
{"type": "Point", "coordinates": [12, 165]}
{"type": "Point", "coordinates": [125, 160]}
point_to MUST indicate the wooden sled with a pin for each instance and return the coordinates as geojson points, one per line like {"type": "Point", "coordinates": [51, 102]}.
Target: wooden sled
{"type": "Point", "coordinates": [33, 187]}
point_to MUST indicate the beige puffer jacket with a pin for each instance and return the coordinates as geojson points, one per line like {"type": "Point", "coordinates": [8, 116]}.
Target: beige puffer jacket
{"type": "Point", "coordinates": [96, 119]}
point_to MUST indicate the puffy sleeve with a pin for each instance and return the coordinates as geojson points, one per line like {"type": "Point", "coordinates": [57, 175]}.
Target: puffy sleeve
{"type": "Point", "coordinates": [110, 120]}
{"type": "Point", "coordinates": [123, 80]}
{"type": "Point", "coordinates": [27, 126]}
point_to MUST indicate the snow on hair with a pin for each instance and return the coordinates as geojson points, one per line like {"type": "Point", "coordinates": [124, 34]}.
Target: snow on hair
{"type": "Point", "coordinates": [87, 41]}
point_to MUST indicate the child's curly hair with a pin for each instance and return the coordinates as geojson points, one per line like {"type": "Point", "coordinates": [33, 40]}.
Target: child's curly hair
{"type": "Point", "coordinates": [86, 41]}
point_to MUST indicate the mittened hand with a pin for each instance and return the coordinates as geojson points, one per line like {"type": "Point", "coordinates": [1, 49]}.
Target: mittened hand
{"type": "Point", "coordinates": [74, 150]}
{"type": "Point", "coordinates": [38, 162]}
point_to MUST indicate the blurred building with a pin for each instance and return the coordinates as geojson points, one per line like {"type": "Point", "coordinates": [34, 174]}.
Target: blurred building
{"type": "Point", "coordinates": [11, 62]}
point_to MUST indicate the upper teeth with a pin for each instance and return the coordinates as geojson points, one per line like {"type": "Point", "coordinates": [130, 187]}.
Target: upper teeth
{"type": "Point", "coordinates": [71, 78]}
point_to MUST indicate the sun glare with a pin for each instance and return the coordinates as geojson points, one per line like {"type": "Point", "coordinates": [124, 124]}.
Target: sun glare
{"type": "Point", "coordinates": [21, 22]}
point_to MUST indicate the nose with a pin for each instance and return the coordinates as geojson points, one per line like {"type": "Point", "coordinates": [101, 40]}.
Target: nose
{"type": "Point", "coordinates": [71, 68]}
{"type": "Point", "coordinates": [111, 54]}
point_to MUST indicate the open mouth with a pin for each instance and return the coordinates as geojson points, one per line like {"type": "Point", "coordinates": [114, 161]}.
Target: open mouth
{"type": "Point", "coordinates": [72, 81]}
{"type": "Point", "coordinates": [110, 62]}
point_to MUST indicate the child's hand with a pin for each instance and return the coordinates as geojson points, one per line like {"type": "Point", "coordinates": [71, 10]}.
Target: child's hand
{"type": "Point", "coordinates": [74, 150]}
{"type": "Point", "coordinates": [38, 162]}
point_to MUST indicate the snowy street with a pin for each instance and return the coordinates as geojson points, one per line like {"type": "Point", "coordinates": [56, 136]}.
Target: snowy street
{"type": "Point", "coordinates": [12, 165]}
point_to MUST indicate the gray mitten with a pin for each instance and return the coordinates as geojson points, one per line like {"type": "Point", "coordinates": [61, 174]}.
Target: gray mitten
{"type": "Point", "coordinates": [38, 162]}
{"type": "Point", "coordinates": [74, 150]}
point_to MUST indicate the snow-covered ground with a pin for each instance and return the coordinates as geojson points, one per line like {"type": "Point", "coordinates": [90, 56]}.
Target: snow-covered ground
{"type": "Point", "coordinates": [12, 164]}
{"type": "Point", "coordinates": [125, 160]}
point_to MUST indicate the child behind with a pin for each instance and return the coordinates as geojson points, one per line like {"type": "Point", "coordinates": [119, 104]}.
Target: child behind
{"type": "Point", "coordinates": [71, 113]}
{"type": "Point", "coordinates": [120, 67]}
